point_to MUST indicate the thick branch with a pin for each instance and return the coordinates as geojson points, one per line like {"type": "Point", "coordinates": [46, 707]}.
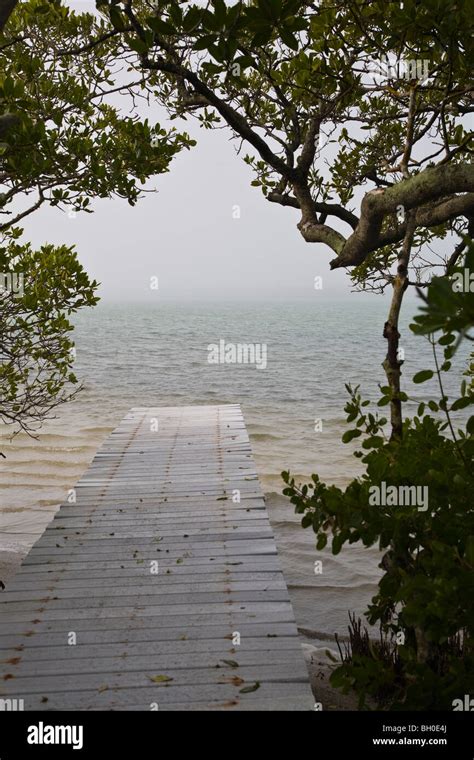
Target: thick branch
{"type": "Point", "coordinates": [233, 118]}
{"type": "Point", "coordinates": [310, 143]}
{"type": "Point", "coordinates": [431, 216]}
{"type": "Point", "coordinates": [322, 233]}
{"type": "Point", "coordinates": [328, 209]}
{"type": "Point", "coordinates": [93, 43]}
{"type": "Point", "coordinates": [430, 185]}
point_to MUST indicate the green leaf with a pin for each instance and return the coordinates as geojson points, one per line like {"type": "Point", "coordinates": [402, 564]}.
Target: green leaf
{"type": "Point", "coordinates": [191, 19]}
{"type": "Point", "coordinates": [249, 689]}
{"type": "Point", "coordinates": [289, 39]}
{"type": "Point", "coordinates": [373, 442]}
{"type": "Point", "coordinates": [160, 26]}
{"type": "Point", "coordinates": [350, 434]}
{"type": "Point", "coordinates": [138, 45]}
{"type": "Point", "coordinates": [211, 68]}
{"type": "Point", "coordinates": [160, 679]}
{"type": "Point", "coordinates": [116, 19]}
{"type": "Point", "coordinates": [204, 42]}
{"type": "Point", "coordinates": [462, 403]}
{"type": "Point", "coordinates": [421, 377]}
{"type": "Point", "coordinates": [322, 541]}
{"type": "Point", "coordinates": [220, 12]}
{"type": "Point", "coordinates": [445, 340]}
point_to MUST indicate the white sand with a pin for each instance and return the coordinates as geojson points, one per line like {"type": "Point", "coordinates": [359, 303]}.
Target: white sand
{"type": "Point", "coordinates": [9, 563]}
{"type": "Point", "coordinates": [320, 665]}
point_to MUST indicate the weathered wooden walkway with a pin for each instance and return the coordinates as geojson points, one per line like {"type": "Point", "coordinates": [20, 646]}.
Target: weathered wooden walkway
{"type": "Point", "coordinates": [157, 588]}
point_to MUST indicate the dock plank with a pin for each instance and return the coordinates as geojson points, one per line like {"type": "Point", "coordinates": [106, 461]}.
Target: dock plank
{"type": "Point", "coordinates": [164, 562]}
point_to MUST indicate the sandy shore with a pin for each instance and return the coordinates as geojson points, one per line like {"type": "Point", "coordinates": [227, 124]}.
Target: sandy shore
{"type": "Point", "coordinates": [320, 666]}
{"type": "Point", "coordinates": [9, 564]}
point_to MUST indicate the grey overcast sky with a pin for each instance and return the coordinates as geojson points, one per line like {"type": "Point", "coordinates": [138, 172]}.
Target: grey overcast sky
{"type": "Point", "coordinates": [185, 234]}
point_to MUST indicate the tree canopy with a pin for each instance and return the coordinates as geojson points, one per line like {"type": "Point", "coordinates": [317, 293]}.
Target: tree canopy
{"type": "Point", "coordinates": [63, 139]}
{"type": "Point", "coordinates": [356, 114]}
{"type": "Point", "coordinates": [63, 142]}
{"type": "Point", "coordinates": [383, 88]}
{"type": "Point", "coordinates": [36, 346]}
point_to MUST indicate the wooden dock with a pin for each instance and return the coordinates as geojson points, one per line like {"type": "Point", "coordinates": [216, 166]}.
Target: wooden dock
{"type": "Point", "coordinates": [159, 587]}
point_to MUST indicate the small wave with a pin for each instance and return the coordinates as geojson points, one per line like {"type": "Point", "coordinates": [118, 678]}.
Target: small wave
{"type": "Point", "coordinates": [312, 633]}
{"type": "Point", "coordinates": [63, 449]}
{"type": "Point", "coordinates": [98, 429]}
{"type": "Point", "coordinates": [46, 478]}
{"type": "Point", "coordinates": [47, 437]}
{"type": "Point", "coordinates": [50, 484]}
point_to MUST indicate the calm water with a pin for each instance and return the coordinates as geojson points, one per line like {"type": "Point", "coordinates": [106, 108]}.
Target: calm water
{"type": "Point", "coordinates": [140, 355]}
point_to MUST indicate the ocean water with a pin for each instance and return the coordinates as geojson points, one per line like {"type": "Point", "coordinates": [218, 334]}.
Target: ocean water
{"type": "Point", "coordinates": [140, 355]}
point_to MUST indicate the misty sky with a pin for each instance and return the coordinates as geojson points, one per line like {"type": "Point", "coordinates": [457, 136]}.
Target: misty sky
{"type": "Point", "coordinates": [185, 234]}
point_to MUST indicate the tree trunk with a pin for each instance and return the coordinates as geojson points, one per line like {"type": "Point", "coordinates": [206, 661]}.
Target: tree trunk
{"type": "Point", "coordinates": [392, 364]}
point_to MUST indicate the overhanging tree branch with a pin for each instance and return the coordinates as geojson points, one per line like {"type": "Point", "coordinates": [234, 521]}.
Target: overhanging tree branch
{"type": "Point", "coordinates": [432, 184]}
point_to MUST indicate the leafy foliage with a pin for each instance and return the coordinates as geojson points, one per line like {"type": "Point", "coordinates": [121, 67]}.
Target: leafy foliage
{"type": "Point", "coordinates": [333, 99]}
{"type": "Point", "coordinates": [427, 585]}
{"type": "Point", "coordinates": [62, 142]}
{"type": "Point", "coordinates": [36, 347]}
{"type": "Point", "coordinates": [61, 136]}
